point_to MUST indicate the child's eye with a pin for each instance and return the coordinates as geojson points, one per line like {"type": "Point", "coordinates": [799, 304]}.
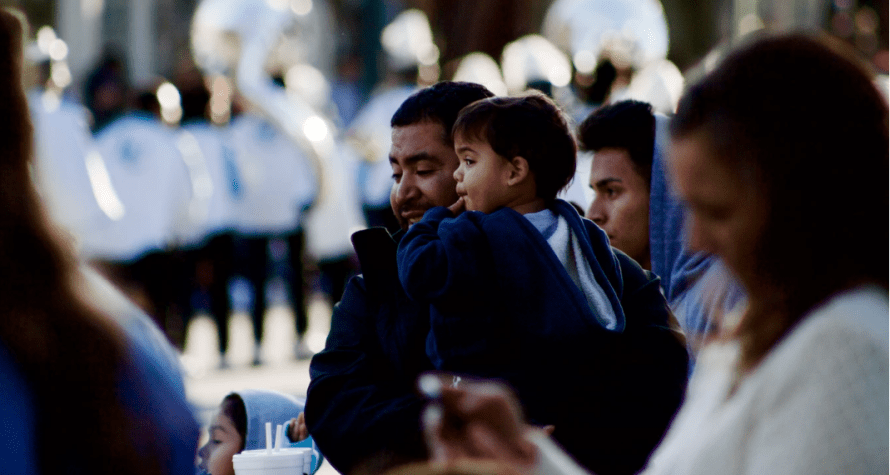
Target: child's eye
{"type": "Point", "coordinates": [468, 160]}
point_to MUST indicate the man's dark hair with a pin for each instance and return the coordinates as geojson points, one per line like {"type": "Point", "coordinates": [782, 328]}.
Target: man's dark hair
{"type": "Point", "coordinates": [439, 103]}
{"type": "Point", "coordinates": [530, 126]}
{"type": "Point", "coordinates": [629, 125]}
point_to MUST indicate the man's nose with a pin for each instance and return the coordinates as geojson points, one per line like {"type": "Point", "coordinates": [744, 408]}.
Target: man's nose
{"type": "Point", "coordinates": [596, 212]}
{"type": "Point", "coordinates": [406, 188]}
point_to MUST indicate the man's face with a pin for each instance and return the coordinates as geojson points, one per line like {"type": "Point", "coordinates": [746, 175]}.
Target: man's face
{"type": "Point", "coordinates": [621, 203]}
{"type": "Point", "coordinates": [423, 166]}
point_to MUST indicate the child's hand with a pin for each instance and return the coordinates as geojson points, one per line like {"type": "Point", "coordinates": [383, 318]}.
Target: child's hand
{"type": "Point", "coordinates": [297, 430]}
{"type": "Point", "coordinates": [458, 207]}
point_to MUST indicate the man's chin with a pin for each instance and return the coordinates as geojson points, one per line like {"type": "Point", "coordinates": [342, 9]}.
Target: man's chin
{"type": "Point", "coordinates": [409, 219]}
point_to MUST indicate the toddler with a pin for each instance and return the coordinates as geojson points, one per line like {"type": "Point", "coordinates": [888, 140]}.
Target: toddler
{"type": "Point", "coordinates": [521, 287]}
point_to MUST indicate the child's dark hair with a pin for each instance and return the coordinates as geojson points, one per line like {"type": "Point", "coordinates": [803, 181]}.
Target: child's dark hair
{"type": "Point", "coordinates": [530, 126]}
{"type": "Point", "coordinates": [232, 406]}
{"type": "Point", "coordinates": [629, 125]}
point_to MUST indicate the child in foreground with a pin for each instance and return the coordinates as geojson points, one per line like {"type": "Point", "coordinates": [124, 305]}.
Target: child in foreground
{"type": "Point", "coordinates": [522, 289]}
{"type": "Point", "coordinates": [240, 423]}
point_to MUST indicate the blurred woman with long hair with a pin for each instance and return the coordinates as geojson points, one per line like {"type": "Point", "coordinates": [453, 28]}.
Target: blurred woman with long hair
{"type": "Point", "coordinates": [80, 393]}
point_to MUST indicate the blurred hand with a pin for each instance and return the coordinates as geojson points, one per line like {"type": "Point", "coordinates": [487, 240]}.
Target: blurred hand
{"type": "Point", "coordinates": [458, 207]}
{"type": "Point", "coordinates": [463, 467]}
{"type": "Point", "coordinates": [478, 420]}
{"type": "Point", "coordinates": [297, 429]}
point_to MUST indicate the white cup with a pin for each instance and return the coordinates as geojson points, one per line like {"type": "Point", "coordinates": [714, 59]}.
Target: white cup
{"type": "Point", "coordinates": [289, 461]}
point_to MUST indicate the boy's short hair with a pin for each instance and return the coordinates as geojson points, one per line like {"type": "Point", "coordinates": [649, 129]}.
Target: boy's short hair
{"type": "Point", "coordinates": [531, 126]}
{"type": "Point", "coordinates": [629, 125]}
{"type": "Point", "coordinates": [439, 103]}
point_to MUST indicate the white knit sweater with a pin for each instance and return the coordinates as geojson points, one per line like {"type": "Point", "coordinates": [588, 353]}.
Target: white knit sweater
{"type": "Point", "coordinates": [817, 403]}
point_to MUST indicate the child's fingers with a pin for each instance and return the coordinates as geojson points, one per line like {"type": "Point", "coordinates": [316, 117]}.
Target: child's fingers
{"type": "Point", "coordinates": [293, 430]}
{"type": "Point", "coordinates": [303, 431]}
{"type": "Point", "coordinates": [458, 207]}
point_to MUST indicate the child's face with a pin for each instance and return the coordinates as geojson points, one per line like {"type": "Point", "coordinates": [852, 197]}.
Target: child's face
{"type": "Point", "coordinates": [225, 441]}
{"type": "Point", "coordinates": [482, 176]}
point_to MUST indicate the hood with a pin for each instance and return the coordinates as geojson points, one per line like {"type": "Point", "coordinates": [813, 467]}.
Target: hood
{"type": "Point", "coordinates": [262, 406]}
{"type": "Point", "coordinates": [672, 260]}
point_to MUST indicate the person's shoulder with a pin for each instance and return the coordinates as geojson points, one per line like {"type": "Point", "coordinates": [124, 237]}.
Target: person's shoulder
{"type": "Point", "coordinates": [858, 316]}
{"type": "Point", "coordinates": [846, 337]}
{"type": "Point", "coordinates": [579, 223]}
{"type": "Point", "coordinates": [141, 331]}
{"type": "Point", "coordinates": [374, 245]}
{"type": "Point", "coordinates": [375, 249]}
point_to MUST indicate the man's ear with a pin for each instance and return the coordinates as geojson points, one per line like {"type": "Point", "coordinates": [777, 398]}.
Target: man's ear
{"type": "Point", "coordinates": [518, 170]}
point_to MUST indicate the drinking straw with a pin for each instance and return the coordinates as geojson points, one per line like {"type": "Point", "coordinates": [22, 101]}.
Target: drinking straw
{"type": "Point", "coordinates": [278, 436]}
{"type": "Point", "coordinates": [268, 437]}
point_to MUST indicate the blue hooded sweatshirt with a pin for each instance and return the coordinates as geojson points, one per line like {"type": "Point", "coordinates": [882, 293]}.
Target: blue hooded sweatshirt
{"type": "Point", "coordinates": [262, 406]}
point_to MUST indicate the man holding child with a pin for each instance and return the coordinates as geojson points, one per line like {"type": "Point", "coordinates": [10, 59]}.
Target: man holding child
{"type": "Point", "coordinates": [597, 358]}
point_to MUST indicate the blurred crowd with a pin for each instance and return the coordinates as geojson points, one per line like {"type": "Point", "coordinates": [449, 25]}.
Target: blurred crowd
{"type": "Point", "coordinates": [250, 169]}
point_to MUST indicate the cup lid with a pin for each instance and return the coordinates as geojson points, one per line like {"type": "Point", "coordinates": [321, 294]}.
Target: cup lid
{"type": "Point", "coordinates": [261, 459]}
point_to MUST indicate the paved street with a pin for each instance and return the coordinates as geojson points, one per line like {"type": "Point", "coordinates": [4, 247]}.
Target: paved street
{"type": "Point", "coordinates": [206, 385]}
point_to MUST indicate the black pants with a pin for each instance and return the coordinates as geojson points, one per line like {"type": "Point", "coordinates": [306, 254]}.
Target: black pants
{"type": "Point", "coordinates": [256, 266]}
{"type": "Point", "coordinates": [212, 267]}
{"type": "Point", "coordinates": [155, 282]}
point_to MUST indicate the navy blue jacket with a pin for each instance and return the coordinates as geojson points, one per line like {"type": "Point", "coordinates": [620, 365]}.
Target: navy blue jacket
{"type": "Point", "coordinates": [503, 306]}
{"type": "Point", "coordinates": [361, 406]}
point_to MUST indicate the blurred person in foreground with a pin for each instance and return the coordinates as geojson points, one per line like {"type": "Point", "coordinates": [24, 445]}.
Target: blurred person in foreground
{"type": "Point", "coordinates": [639, 210]}
{"type": "Point", "coordinates": [78, 363]}
{"type": "Point", "coordinates": [797, 381]}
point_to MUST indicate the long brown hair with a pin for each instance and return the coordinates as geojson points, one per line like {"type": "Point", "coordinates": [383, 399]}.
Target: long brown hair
{"type": "Point", "coordinates": [806, 125]}
{"type": "Point", "coordinates": [71, 356]}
